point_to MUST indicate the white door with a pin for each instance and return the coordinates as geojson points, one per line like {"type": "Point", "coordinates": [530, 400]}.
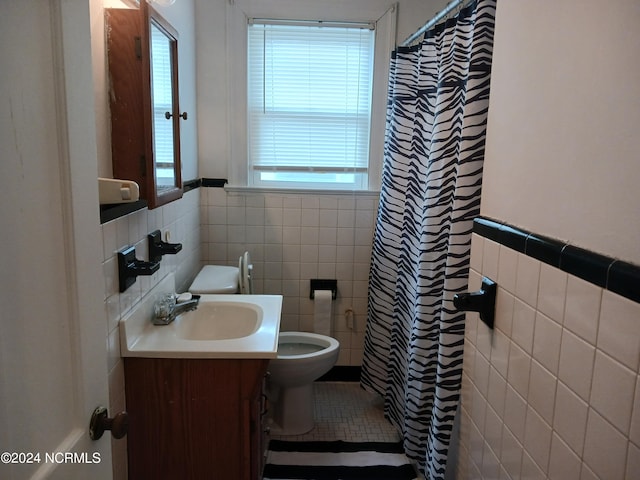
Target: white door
{"type": "Point", "coordinates": [53, 327]}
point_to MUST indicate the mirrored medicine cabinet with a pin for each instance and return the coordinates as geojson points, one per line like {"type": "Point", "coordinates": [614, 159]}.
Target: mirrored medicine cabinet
{"type": "Point", "coordinates": [143, 96]}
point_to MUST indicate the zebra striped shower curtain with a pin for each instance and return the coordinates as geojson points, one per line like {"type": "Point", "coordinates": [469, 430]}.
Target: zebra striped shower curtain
{"type": "Point", "coordinates": [432, 175]}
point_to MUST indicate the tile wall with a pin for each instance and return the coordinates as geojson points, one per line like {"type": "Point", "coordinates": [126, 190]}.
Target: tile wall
{"type": "Point", "coordinates": [293, 238]}
{"type": "Point", "coordinates": [181, 218]}
{"type": "Point", "coordinates": [553, 391]}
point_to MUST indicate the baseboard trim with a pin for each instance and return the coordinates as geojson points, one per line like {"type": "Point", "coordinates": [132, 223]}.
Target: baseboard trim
{"type": "Point", "coordinates": [342, 373]}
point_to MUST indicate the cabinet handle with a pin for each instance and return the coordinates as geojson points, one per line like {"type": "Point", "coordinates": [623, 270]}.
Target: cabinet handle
{"type": "Point", "coordinates": [168, 115]}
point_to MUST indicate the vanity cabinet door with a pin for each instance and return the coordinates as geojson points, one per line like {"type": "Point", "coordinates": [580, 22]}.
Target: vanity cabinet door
{"type": "Point", "coordinates": [192, 418]}
{"type": "Point", "coordinates": [143, 92]}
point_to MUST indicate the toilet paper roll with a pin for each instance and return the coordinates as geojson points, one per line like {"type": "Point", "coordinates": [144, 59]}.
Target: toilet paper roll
{"type": "Point", "coordinates": [322, 312]}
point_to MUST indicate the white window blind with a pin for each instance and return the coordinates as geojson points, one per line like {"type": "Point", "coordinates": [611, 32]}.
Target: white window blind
{"type": "Point", "coordinates": [309, 104]}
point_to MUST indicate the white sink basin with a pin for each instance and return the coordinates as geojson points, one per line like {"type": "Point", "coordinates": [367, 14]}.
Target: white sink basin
{"type": "Point", "coordinates": [223, 326]}
{"type": "Point", "coordinates": [218, 320]}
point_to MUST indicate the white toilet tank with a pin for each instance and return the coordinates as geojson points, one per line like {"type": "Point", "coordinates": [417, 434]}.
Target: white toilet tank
{"type": "Point", "coordinates": [216, 279]}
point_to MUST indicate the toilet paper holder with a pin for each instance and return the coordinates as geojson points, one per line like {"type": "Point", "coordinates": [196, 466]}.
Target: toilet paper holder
{"type": "Point", "coordinates": [323, 284]}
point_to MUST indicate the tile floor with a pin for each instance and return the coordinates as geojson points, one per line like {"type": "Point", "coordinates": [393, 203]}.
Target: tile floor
{"type": "Point", "coordinates": [344, 411]}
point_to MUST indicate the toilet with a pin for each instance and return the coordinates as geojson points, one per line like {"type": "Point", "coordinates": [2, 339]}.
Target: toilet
{"type": "Point", "coordinates": [303, 357]}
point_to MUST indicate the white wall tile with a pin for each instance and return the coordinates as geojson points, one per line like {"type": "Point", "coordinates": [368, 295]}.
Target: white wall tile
{"type": "Point", "coordinates": [605, 448]}
{"type": "Point", "coordinates": [530, 469]}
{"type": "Point", "coordinates": [490, 464]}
{"type": "Point", "coordinates": [612, 391]}
{"type": "Point", "coordinates": [477, 246]}
{"type": "Point", "coordinates": [587, 474]}
{"type": "Point", "coordinates": [618, 332]}
{"type": "Point", "coordinates": [537, 439]}
{"type": "Point", "coordinates": [478, 410]}
{"type": "Point", "coordinates": [346, 218]}
{"type": "Point", "coordinates": [497, 391]}
{"type": "Point", "coordinates": [634, 431]}
{"type": "Point", "coordinates": [515, 413]}
{"type": "Point", "coordinates": [576, 364]}
{"type": "Point", "coordinates": [552, 291]}
{"type": "Point", "coordinates": [519, 369]}
{"type": "Point", "coordinates": [481, 373]}
{"type": "Point", "coordinates": [546, 342]}
{"type": "Point", "coordinates": [328, 218]}
{"type": "Point", "coordinates": [563, 375]}
{"type": "Point", "coordinates": [500, 352]}
{"type": "Point", "coordinates": [293, 238]}
{"type": "Point", "coordinates": [490, 258]}
{"type": "Point", "coordinates": [523, 325]}
{"type": "Point", "coordinates": [570, 417]}
{"type": "Point", "coordinates": [542, 391]}
{"type": "Point", "coordinates": [633, 461]}
{"type": "Point", "coordinates": [493, 430]}
{"type": "Point", "coordinates": [564, 464]}
{"type": "Point", "coordinates": [511, 453]}
{"type": "Point", "coordinates": [527, 279]}
{"type": "Point", "coordinates": [484, 339]}
{"type": "Point", "coordinates": [504, 311]}
{"type": "Point", "coordinates": [507, 268]}
{"type": "Point", "coordinates": [476, 445]}
{"type": "Point", "coordinates": [109, 239]}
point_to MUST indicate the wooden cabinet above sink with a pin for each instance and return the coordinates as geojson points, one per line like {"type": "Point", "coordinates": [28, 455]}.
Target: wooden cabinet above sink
{"type": "Point", "coordinates": [143, 91]}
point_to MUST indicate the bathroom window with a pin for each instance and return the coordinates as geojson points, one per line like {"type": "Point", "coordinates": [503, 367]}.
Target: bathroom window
{"type": "Point", "coordinates": [309, 97]}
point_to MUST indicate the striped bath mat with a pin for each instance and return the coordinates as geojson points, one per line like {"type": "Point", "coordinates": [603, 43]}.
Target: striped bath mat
{"type": "Point", "coordinates": [337, 460]}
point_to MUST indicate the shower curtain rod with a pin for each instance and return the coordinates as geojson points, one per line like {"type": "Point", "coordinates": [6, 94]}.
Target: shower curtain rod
{"type": "Point", "coordinates": [439, 16]}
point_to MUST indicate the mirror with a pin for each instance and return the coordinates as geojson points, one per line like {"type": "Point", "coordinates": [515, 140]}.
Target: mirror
{"type": "Point", "coordinates": [165, 125]}
{"type": "Point", "coordinates": [145, 115]}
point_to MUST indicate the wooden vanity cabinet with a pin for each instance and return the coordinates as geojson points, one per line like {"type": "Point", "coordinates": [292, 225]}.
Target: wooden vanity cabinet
{"type": "Point", "coordinates": [195, 418]}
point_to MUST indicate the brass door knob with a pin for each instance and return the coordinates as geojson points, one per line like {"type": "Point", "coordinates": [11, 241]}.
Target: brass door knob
{"type": "Point", "coordinates": [100, 422]}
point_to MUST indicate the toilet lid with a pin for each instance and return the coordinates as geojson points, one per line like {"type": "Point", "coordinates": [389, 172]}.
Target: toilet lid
{"type": "Point", "coordinates": [245, 271]}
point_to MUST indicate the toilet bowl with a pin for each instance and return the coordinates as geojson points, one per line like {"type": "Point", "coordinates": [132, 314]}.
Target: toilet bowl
{"type": "Point", "coordinates": [303, 357]}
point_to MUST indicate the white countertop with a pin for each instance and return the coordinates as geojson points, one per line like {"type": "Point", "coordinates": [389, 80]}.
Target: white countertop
{"type": "Point", "coordinates": [139, 337]}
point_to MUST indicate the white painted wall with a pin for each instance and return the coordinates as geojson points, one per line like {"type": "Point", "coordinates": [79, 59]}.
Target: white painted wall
{"type": "Point", "coordinates": [562, 147]}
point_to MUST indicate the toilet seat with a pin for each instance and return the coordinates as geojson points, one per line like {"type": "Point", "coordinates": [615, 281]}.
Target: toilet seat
{"type": "Point", "coordinates": [245, 267]}
{"type": "Point", "coordinates": [300, 345]}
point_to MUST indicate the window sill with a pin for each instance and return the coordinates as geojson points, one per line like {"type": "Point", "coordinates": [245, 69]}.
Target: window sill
{"type": "Point", "coordinates": [300, 191]}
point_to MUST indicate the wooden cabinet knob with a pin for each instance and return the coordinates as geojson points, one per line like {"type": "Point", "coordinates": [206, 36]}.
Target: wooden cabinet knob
{"type": "Point", "coordinates": [168, 115]}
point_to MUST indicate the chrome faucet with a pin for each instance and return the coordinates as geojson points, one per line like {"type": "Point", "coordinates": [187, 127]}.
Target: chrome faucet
{"type": "Point", "coordinates": [167, 309]}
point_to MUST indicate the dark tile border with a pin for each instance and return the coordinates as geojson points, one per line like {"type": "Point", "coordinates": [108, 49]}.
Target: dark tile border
{"type": "Point", "coordinates": [189, 185]}
{"type": "Point", "coordinates": [615, 275]}
{"type": "Point", "coordinates": [214, 182]}
{"type": "Point", "coordinates": [111, 212]}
